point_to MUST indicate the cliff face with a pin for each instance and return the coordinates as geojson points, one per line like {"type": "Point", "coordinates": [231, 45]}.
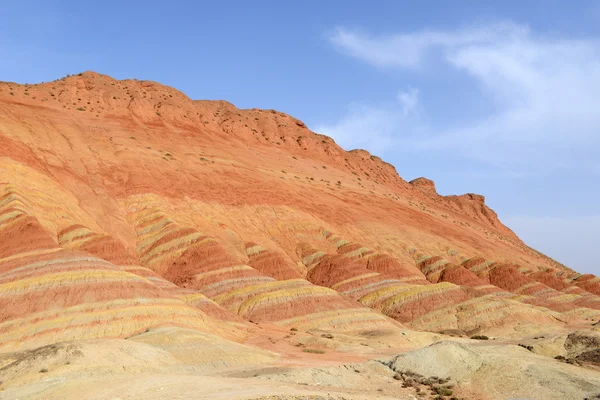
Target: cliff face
{"type": "Point", "coordinates": [237, 215]}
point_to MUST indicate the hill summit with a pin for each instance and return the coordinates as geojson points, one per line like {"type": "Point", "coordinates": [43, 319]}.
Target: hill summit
{"type": "Point", "coordinates": [212, 236]}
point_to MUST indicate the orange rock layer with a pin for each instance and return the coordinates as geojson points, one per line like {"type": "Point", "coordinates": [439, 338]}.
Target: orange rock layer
{"type": "Point", "coordinates": [125, 205]}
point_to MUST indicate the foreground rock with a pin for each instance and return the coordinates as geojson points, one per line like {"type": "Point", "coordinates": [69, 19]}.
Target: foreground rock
{"type": "Point", "coordinates": [499, 371]}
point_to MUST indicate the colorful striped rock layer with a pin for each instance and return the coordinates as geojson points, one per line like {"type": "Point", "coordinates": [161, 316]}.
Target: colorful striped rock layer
{"type": "Point", "coordinates": [128, 210]}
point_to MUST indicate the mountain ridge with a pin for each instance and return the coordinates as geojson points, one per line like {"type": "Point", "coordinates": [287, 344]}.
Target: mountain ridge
{"type": "Point", "coordinates": [142, 232]}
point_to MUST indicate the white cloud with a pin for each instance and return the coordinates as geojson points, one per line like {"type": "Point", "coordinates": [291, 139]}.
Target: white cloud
{"type": "Point", "coordinates": [374, 127]}
{"type": "Point", "coordinates": [544, 93]}
{"type": "Point", "coordinates": [407, 50]}
{"type": "Point", "coordinates": [547, 234]}
{"type": "Point", "coordinates": [409, 101]}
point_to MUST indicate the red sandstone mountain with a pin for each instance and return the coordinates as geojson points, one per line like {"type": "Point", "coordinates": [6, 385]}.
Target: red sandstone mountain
{"type": "Point", "coordinates": [125, 205]}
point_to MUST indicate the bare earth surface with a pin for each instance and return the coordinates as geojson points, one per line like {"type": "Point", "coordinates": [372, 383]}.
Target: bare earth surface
{"type": "Point", "coordinates": [156, 247]}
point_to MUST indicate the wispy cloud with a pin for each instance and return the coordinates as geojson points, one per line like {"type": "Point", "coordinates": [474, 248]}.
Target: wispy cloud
{"type": "Point", "coordinates": [375, 126]}
{"type": "Point", "coordinates": [543, 91]}
{"type": "Point", "coordinates": [408, 50]}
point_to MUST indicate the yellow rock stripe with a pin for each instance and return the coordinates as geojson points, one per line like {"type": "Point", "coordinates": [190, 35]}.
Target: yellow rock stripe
{"type": "Point", "coordinates": [285, 295]}
{"type": "Point", "coordinates": [354, 279]}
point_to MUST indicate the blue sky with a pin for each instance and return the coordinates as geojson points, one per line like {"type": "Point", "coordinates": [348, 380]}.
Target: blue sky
{"type": "Point", "coordinates": [497, 99]}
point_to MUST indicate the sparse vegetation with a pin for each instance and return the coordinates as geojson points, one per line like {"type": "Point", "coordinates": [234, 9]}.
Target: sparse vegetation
{"type": "Point", "coordinates": [442, 391]}
{"type": "Point", "coordinates": [525, 346]}
{"type": "Point", "coordinates": [439, 387]}
{"type": "Point", "coordinates": [480, 337]}
{"type": "Point", "coordinates": [314, 351]}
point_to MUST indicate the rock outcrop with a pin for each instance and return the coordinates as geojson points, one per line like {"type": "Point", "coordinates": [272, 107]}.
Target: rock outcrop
{"type": "Point", "coordinates": [126, 206]}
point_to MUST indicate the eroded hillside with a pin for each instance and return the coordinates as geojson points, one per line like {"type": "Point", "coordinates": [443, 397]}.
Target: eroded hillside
{"type": "Point", "coordinates": [127, 207]}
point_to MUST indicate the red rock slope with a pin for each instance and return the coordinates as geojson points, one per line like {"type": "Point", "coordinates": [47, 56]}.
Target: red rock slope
{"type": "Point", "coordinates": [125, 205]}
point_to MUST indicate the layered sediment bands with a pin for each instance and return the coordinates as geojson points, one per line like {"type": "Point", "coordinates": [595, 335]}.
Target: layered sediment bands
{"type": "Point", "coordinates": [104, 246]}
{"type": "Point", "coordinates": [550, 278]}
{"type": "Point", "coordinates": [341, 273]}
{"type": "Point", "coordinates": [19, 231]}
{"type": "Point", "coordinates": [134, 207]}
{"type": "Point", "coordinates": [485, 312]}
{"type": "Point", "coordinates": [206, 266]}
{"type": "Point", "coordinates": [438, 269]}
{"type": "Point", "coordinates": [376, 261]}
{"type": "Point", "coordinates": [510, 278]}
{"type": "Point", "coordinates": [394, 298]}
{"type": "Point", "coordinates": [589, 283]}
{"type": "Point", "coordinates": [458, 299]}
{"type": "Point", "coordinates": [459, 275]}
{"type": "Point", "coordinates": [160, 239]}
{"type": "Point", "coordinates": [479, 266]}
{"type": "Point", "coordinates": [386, 264]}
{"type": "Point", "coordinates": [309, 256]}
{"type": "Point", "coordinates": [191, 297]}
{"type": "Point", "coordinates": [432, 266]}
{"type": "Point", "coordinates": [556, 280]}
{"type": "Point", "coordinates": [241, 289]}
{"type": "Point", "coordinates": [270, 262]}
{"type": "Point", "coordinates": [54, 295]}
{"type": "Point", "coordinates": [50, 294]}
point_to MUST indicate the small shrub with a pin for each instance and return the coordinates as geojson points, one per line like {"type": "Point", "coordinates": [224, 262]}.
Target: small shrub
{"type": "Point", "coordinates": [480, 337]}
{"type": "Point", "coordinates": [43, 370]}
{"type": "Point", "coordinates": [314, 351]}
{"type": "Point", "coordinates": [80, 109]}
{"type": "Point", "coordinates": [442, 391]}
{"type": "Point", "coordinates": [525, 346]}
{"type": "Point", "coordinates": [408, 383]}
{"type": "Point", "coordinates": [327, 336]}
{"type": "Point", "coordinates": [294, 329]}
